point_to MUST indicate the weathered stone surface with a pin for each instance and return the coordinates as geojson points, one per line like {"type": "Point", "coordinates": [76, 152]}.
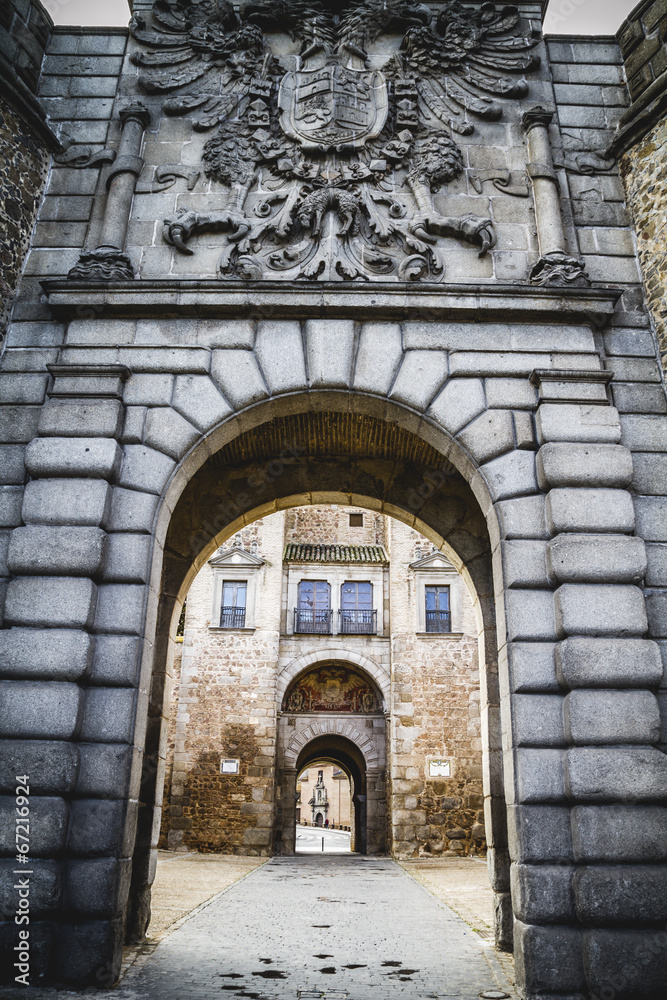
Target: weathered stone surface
{"type": "Point", "coordinates": [90, 458]}
{"type": "Point", "coordinates": [619, 833]}
{"type": "Point", "coordinates": [600, 609]}
{"type": "Point", "coordinates": [537, 720]}
{"type": "Point", "coordinates": [48, 825]}
{"type": "Point", "coordinates": [51, 654]}
{"type": "Point", "coordinates": [97, 888]}
{"type": "Point", "coordinates": [549, 960]}
{"type": "Point", "coordinates": [379, 356]}
{"type": "Point", "coordinates": [612, 960]}
{"type": "Point", "coordinates": [596, 559]}
{"type": "Point", "coordinates": [12, 465]}
{"type": "Point", "coordinates": [145, 469]}
{"type": "Point", "coordinates": [532, 667]}
{"type": "Point", "coordinates": [612, 663]}
{"type": "Point", "coordinates": [127, 559]}
{"type": "Point", "coordinates": [616, 774]}
{"type": "Point", "coordinates": [81, 418]}
{"type": "Point", "coordinates": [120, 609]}
{"type": "Point", "coordinates": [530, 615]}
{"type": "Point", "coordinates": [104, 770]}
{"type": "Point", "coordinates": [108, 715]}
{"type": "Point", "coordinates": [577, 423]}
{"type": "Point", "coordinates": [589, 465]}
{"type": "Point", "coordinates": [52, 766]}
{"type": "Point", "coordinates": [44, 887]}
{"type": "Point", "coordinates": [56, 551]}
{"type": "Point", "coordinates": [197, 399]}
{"type": "Point", "coordinates": [115, 660]}
{"type": "Point", "coordinates": [538, 775]}
{"type": "Point", "coordinates": [459, 403]}
{"type": "Point", "coordinates": [51, 602]}
{"type": "Point", "coordinates": [603, 717]}
{"type": "Point", "coordinates": [67, 502]}
{"type": "Point", "coordinates": [525, 564]}
{"type": "Point", "coordinates": [542, 895]}
{"type": "Point", "coordinates": [33, 710]}
{"type": "Point", "coordinates": [592, 510]}
{"type": "Point", "coordinates": [539, 834]}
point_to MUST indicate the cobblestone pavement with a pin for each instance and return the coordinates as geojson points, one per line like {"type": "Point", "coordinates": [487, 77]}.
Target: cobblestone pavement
{"type": "Point", "coordinates": [331, 927]}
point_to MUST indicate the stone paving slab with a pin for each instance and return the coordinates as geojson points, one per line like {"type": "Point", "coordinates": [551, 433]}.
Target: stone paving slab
{"type": "Point", "coordinates": [330, 927]}
{"type": "Point", "coordinates": [320, 927]}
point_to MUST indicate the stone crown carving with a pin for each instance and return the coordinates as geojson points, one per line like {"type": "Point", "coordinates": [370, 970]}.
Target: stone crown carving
{"type": "Point", "coordinates": [332, 150]}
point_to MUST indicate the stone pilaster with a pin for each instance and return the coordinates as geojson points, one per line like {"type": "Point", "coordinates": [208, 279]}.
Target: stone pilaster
{"type": "Point", "coordinates": [556, 265]}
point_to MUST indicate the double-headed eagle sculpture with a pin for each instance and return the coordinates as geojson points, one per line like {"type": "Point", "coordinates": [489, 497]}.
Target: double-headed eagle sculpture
{"type": "Point", "coordinates": [335, 125]}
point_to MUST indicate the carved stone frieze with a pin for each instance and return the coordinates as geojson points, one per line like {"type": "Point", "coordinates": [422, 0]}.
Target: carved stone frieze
{"type": "Point", "coordinates": [103, 264]}
{"type": "Point", "coordinates": [333, 152]}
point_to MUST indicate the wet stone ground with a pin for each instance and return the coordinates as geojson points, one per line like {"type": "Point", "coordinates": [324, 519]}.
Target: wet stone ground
{"type": "Point", "coordinates": [312, 927]}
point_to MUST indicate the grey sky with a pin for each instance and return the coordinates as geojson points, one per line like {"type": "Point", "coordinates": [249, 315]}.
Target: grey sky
{"type": "Point", "coordinates": [565, 17]}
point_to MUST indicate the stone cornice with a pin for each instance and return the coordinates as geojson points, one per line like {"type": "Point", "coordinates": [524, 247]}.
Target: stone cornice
{"type": "Point", "coordinates": [173, 298]}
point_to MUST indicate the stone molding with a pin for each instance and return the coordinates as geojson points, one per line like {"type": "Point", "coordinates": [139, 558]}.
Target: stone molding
{"type": "Point", "coordinates": [586, 387]}
{"type": "Point", "coordinates": [202, 297]}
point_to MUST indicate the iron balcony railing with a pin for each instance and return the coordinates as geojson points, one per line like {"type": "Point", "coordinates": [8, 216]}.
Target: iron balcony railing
{"type": "Point", "coordinates": [232, 618]}
{"type": "Point", "coordinates": [306, 620]}
{"type": "Point", "coordinates": [438, 621]}
{"type": "Point", "coordinates": [353, 622]}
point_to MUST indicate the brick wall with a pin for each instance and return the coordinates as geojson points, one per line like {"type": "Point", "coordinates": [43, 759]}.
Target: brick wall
{"type": "Point", "coordinates": [643, 41]}
{"type": "Point", "coordinates": [435, 713]}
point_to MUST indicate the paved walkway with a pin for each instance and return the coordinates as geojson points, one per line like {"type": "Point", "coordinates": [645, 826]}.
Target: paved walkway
{"type": "Point", "coordinates": [328, 927]}
{"type": "Point", "coordinates": [316, 840]}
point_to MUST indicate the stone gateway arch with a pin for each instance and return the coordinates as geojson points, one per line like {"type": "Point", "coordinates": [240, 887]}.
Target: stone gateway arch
{"type": "Point", "coordinates": [381, 258]}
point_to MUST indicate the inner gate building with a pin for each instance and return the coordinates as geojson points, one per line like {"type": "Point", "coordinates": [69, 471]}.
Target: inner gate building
{"type": "Point", "coordinates": [406, 259]}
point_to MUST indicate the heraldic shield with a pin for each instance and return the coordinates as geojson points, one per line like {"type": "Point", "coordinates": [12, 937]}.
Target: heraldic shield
{"type": "Point", "coordinates": [333, 107]}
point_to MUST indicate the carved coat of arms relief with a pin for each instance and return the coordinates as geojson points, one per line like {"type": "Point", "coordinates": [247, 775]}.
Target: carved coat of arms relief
{"type": "Point", "coordinates": [333, 125]}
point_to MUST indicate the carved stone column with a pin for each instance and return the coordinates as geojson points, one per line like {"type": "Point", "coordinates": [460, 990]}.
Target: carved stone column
{"type": "Point", "coordinates": [109, 261]}
{"type": "Point", "coordinates": [556, 266]}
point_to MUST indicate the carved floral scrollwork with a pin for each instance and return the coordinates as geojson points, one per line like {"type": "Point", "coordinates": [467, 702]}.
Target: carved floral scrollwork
{"type": "Point", "coordinates": [333, 158]}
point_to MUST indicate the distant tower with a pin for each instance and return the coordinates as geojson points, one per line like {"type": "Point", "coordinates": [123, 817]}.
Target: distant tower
{"type": "Point", "coordinates": [320, 802]}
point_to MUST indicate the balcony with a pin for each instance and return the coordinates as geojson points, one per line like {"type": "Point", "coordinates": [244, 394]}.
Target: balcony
{"type": "Point", "coordinates": [438, 621]}
{"type": "Point", "coordinates": [232, 618]}
{"type": "Point", "coordinates": [353, 622]}
{"type": "Point", "coordinates": [312, 622]}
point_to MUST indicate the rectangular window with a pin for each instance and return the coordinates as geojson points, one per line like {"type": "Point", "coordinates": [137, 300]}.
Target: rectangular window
{"type": "Point", "coordinates": [314, 611]}
{"type": "Point", "coordinates": [357, 616]}
{"type": "Point", "coordinates": [438, 613]}
{"type": "Point", "coordinates": [356, 520]}
{"type": "Point", "coordinates": [234, 596]}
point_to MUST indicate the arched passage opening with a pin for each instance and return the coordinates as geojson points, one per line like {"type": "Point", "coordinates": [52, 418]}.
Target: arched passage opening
{"type": "Point", "coordinates": [390, 462]}
{"type": "Point", "coordinates": [343, 752]}
{"type": "Point", "coordinates": [334, 712]}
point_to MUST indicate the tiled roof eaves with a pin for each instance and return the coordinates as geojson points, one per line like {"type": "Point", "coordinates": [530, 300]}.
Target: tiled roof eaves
{"type": "Point", "coordinates": [335, 553]}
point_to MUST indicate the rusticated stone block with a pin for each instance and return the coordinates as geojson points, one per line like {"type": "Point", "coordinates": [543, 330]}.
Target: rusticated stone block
{"type": "Point", "coordinates": [628, 895]}
{"type": "Point", "coordinates": [612, 663]}
{"type": "Point", "coordinates": [590, 510]}
{"type": "Point", "coordinates": [120, 609]}
{"type": "Point", "coordinates": [67, 502]}
{"type": "Point", "coordinates": [538, 775]}
{"type": "Point", "coordinates": [87, 418]}
{"type": "Point", "coordinates": [600, 609]}
{"type": "Point", "coordinates": [108, 715]}
{"type": "Point", "coordinates": [127, 558]}
{"type": "Point", "coordinates": [459, 403]}
{"type": "Point", "coordinates": [619, 833]}
{"type": "Point", "coordinates": [532, 667]}
{"type": "Point", "coordinates": [52, 766]}
{"type": "Point", "coordinates": [89, 458]}
{"type": "Point", "coordinates": [548, 960]}
{"type": "Point", "coordinates": [115, 660]}
{"type": "Point", "coordinates": [537, 720]}
{"type": "Point", "coordinates": [38, 654]}
{"type": "Point", "coordinates": [539, 834]}
{"type": "Point", "coordinates": [603, 466]}
{"type": "Point", "coordinates": [578, 423]}
{"type": "Point", "coordinates": [97, 888]}
{"type": "Point", "coordinates": [597, 559]}
{"type": "Point", "coordinates": [49, 819]}
{"type": "Point", "coordinates": [616, 774]}
{"type": "Point", "coordinates": [603, 717]}
{"type": "Point", "coordinates": [104, 770]}
{"type": "Point", "coordinates": [34, 710]}
{"type": "Point", "coordinates": [88, 954]}
{"type": "Point", "coordinates": [56, 551]}
{"type": "Point", "coordinates": [101, 827]}
{"type": "Point", "coordinates": [51, 602]}
{"type": "Point", "coordinates": [628, 963]}
{"type": "Point", "coordinates": [542, 894]}
{"type": "Point", "coordinates": [45, 887]}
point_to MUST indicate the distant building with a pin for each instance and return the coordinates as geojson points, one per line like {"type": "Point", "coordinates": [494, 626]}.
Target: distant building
{"type": "Point", "coordinates": [327, 634]}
